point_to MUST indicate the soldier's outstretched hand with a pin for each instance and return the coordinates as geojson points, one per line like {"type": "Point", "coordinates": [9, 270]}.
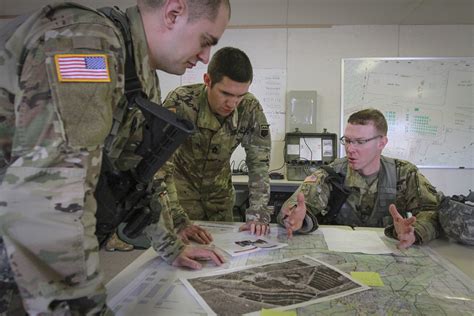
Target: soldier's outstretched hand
{"type": "Point", "coordinates": [403, 227]}
{"type": "Point", "coordinates": [257, 228]}
{"type": "Point", "coordinates": [196, 233]}
{"type": "Point", "coordinates": [293, 217]}
{"type": "Point", "coordinates": [190, 254]}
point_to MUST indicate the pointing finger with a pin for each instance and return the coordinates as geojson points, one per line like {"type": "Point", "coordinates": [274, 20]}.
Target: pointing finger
{"type": "Point", "coordinates": [394, 212]}
{"type": "Point", "coordinates": [300, 200]}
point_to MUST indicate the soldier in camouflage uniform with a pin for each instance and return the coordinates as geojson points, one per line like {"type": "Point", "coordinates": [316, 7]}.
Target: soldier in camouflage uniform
{"type": "Point", "coordinates": [53, 127]}
{"type": "Point", "coordinates": [225, 115]}
{"type": "Point", "coordinates": [376, 183]}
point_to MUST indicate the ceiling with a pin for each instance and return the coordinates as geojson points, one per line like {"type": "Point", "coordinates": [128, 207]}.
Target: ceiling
{"type": "Point", "coordinates": [310, 13]}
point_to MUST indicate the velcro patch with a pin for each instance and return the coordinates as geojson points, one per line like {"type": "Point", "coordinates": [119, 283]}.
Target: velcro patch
{"type": "Point", "coordinates": [82, 67]}
{"type": "Point", "coordinates": [264, 130]}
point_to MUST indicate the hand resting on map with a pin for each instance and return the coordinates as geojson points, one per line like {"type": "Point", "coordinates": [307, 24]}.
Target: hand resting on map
{"type": "Point", "coordinates": [196, 233]}
{"type": "Point", "coordinates": [190, 254]}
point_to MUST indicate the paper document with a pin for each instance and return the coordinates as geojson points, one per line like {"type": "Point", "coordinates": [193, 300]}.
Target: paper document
{"type": "Point", "coordinates": [327, 148]}
{"type": "Point", "coordinates": [363, 241]}
{"type": "Point", "coordinates": [310, 149]}
{"type": "Point", "coordinates": [156, 291]}
{"type": "Point", "coordinates": [292, 149]}
{"type": "Point", "coordinates": [240, 243]}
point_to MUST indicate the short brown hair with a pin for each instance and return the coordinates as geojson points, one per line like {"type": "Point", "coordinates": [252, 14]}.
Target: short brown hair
{"type": "Point", "coordinates": [197, 8]}
{"type": "Point", "coordinates": [368, 116]}
{"type": "Point", "coordinates": [230, 62]}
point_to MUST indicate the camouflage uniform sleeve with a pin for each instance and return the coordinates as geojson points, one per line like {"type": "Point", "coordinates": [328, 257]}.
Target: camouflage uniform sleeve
{"type": "Point", "coordinates": [417, 195]}
{"type": "Point", "coordinates": [179, 215]}
{"type": "Point", "coordinates": [316, 195]}
{"type": "Point", "coordinates": [47, 204]}
{"type": "Point", "coordinates": [7, 128]}
{"type": "Point", "coordinates": [257, 147]}
{"type": "Point", "coordinates": [161, 234]}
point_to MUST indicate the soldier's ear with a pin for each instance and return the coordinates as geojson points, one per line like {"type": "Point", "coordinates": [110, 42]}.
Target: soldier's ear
{"type": "Point", "coordinates": [173, 11]}
{"type": "Point", "coordinates": [207, 80]}
{"type": "Point", "coordinates": [383, 142]}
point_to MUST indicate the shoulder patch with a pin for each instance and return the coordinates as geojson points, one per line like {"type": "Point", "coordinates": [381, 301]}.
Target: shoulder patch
{"type": "Point", "coordinates": [311, 179]}
{"type": "Point", "coordinates": [82, 67]}
{"type": "Point", "coordinates": [264, 130]}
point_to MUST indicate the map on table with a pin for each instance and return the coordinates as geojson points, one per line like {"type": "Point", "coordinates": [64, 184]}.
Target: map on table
{"type": "Point", "coordinates": [287, 284]}
{"type": "Point", "coordinates": [417, 282]}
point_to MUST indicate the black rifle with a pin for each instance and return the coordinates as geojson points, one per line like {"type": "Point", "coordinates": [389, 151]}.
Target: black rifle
{"type": "Point", "coordinates": [338, 196]}
{"type": "Point", "coordinates": [124, 196]}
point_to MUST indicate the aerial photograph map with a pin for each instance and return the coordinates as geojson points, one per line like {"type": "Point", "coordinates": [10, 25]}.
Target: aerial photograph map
{"type": "Point", "coordinates": [289, 284]}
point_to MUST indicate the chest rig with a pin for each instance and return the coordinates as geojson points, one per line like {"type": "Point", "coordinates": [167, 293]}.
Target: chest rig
{"type": "Point", "coordinates": [341, 213]}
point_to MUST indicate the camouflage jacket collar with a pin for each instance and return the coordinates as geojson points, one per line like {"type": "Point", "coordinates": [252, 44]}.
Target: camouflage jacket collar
{"type": "Point", "coordinates": [207, 119]}
{"type": "Point", "coordinates": [386, 176]}
{"type": "Point", "coordinates": [355, 179]}
{"type": "Point", "coordinates": [147, 75]}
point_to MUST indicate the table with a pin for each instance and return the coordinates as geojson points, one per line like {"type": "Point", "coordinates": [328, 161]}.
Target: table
{"type": "Point", "coordinates": [432, 279]}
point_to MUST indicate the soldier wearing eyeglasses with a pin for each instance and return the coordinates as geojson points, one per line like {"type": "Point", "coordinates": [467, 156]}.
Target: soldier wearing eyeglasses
{"type": "Point", "coordinates": [379, 191]}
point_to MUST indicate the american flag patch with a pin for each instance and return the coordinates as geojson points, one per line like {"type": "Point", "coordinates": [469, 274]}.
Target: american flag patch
{"type": "Point", "coordinates": [82, 68]}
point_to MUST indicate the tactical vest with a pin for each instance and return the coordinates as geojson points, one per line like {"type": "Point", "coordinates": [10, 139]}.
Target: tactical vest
{"type": "Point", "coordinates": [386, 195]}
{"type": "Point", "coordinates": [132, 87]}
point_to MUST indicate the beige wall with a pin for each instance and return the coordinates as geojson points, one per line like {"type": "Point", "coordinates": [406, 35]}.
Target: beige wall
{"type": "Point", "coordinates": [312, 55]}
{"type": "Point", "coordinates": [312, 58]}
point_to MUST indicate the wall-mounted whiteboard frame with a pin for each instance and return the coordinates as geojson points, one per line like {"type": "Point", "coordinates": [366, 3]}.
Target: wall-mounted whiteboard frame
{"type": "Point", "coordinates": [428, 103]}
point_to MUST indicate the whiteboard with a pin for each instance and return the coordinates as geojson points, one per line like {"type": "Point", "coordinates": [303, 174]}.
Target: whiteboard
{"type": "Point", "coordinates": [428, 104]}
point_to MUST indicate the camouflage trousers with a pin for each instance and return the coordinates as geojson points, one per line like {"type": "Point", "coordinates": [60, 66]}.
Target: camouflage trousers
{"type": "Point", "coordinates": [457, 220]}
{"type": "Point", "coordinates": [11, 302]}
{"type": "Point", "coordinates": [10, 299]}
{"type": "Point", "coordinates": [214, 204]}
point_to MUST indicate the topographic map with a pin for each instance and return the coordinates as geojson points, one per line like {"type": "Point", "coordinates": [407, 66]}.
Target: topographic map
{"type": "Point", "coordinates": [416, 282]}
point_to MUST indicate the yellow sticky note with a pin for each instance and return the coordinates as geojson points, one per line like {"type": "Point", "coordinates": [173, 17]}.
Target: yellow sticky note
{"type": "Point", "coordinates": [368, 278]}
{"type": "Point", "coordinates": [272, 312]}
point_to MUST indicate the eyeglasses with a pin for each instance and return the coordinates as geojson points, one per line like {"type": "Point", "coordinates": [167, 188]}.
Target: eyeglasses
{"type": "Point", "coordinates": [357, 142]}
